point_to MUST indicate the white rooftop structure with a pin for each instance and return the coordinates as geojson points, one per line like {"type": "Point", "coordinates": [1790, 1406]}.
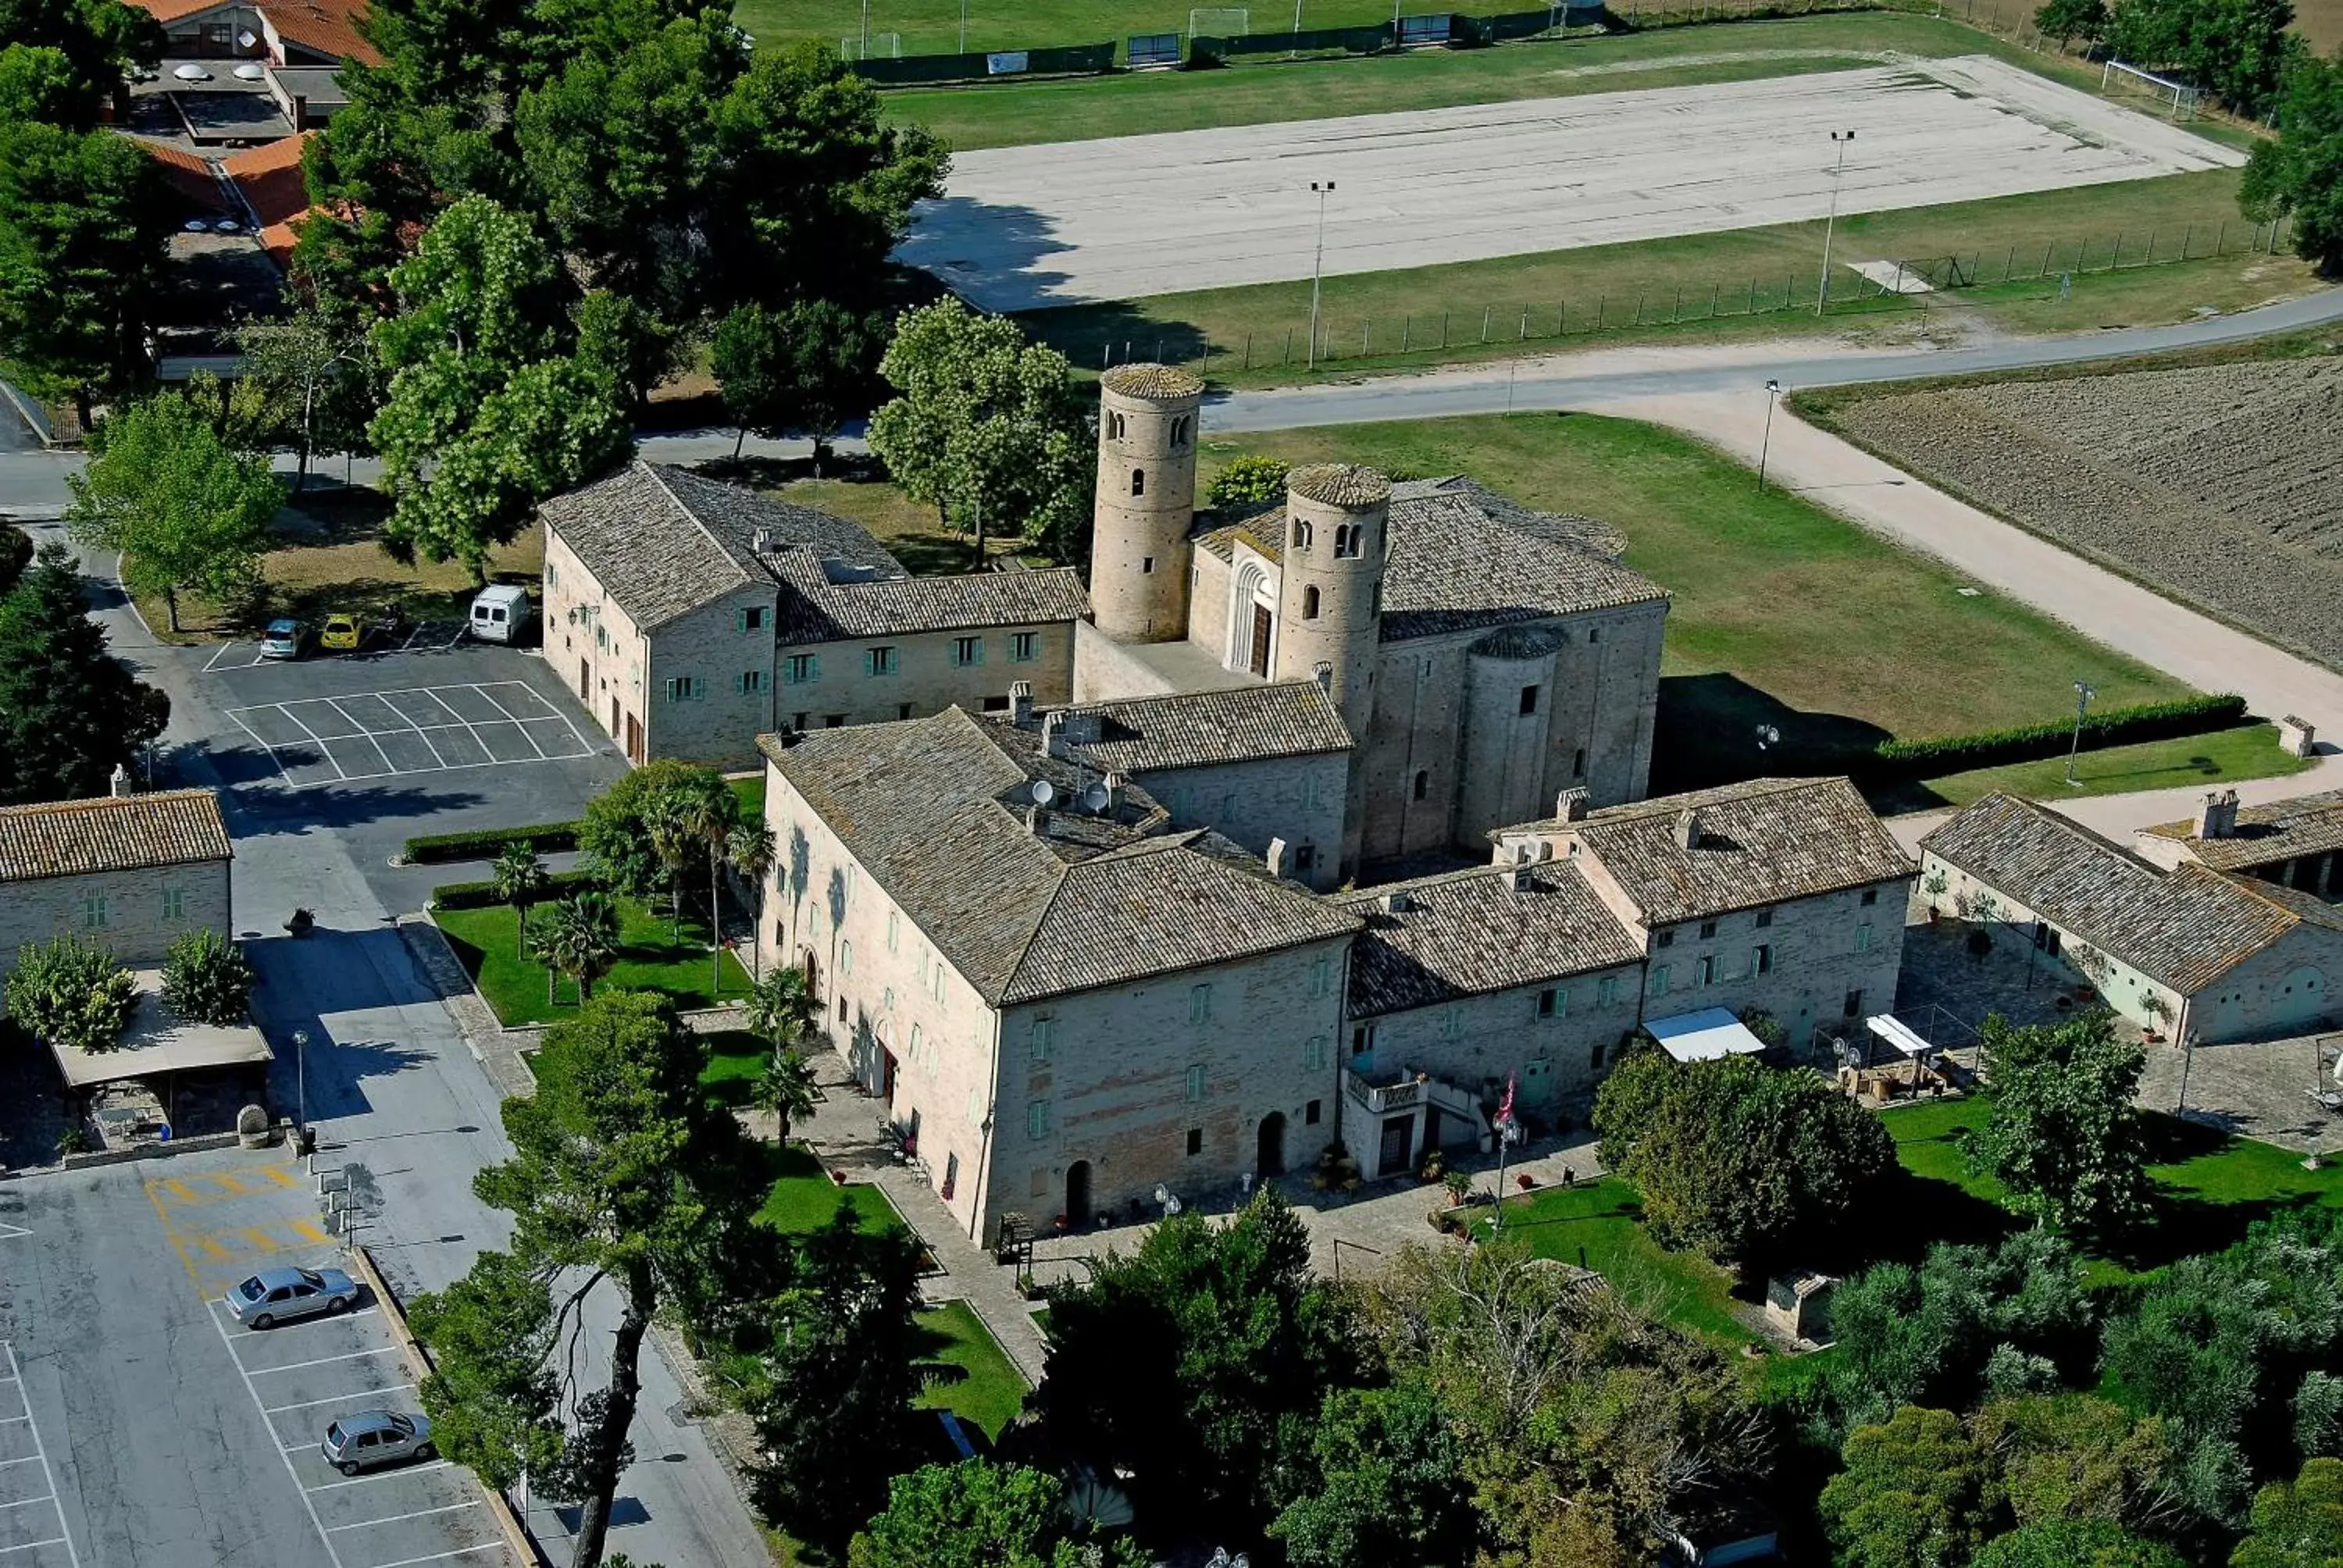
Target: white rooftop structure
{"type": "Point", "coordinates": [157, 1042]}
{"type": "Point", "coordinates": [1898, 1033]}
{"type": "Point", "coordinates": [1703, 1036]}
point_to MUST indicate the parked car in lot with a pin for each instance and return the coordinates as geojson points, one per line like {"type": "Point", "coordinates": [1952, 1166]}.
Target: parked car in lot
{"type": "Point", "coordinates": [359, 1443]}
{"type": "Point", "coordinates": [285, 638]}
{"type": "Point", "coordinates": [344, 632]}
{"type": "Point", "coordinates": [277, 1296]}
{"type": "Point", "coordinates": [500, 613]}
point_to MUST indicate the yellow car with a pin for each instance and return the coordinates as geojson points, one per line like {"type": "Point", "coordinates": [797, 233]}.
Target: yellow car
{"type": "Point", "coordinates": [343, 632]}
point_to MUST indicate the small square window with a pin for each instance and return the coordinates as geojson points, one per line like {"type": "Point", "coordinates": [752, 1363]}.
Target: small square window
{"type": "Point", "coordinates": [1546, 1002]}
{"type": "Point", "coordinates": [1578, 764]}
{"type": "Point", "coordinates": [1659, 979]}
{"type": "Point", "coordinates": [1862, 937]}
{"type": "Point", "coordinates": [1200, 1004]}
{"type": "Point", "coordinates": [1870, 896]}
{"type": "Point", "coordinates": [800, 668]}
{"type": "Point", "coordinates": [1314, 1054]}
{"type": "Point", "coordinates": [1310, 1114]}
{"type": "Point", "coordinates": [1148, 565]}
{"type": "Point", "coordinates": [1041, 1040]}
{"type": "Point", "coordinates": [1305, 858]}
{"type": "Point", "coordinates": [1667, 939]}
{"type": "Point", "coordinates": [1037, 1119]}
{"type": "Point", "coordinates": [749, 619]}
{"type": "Point", "coordinates": [1528, 699]}
{"type": "Point", "coordinates": [883, 660]}
{"type": "Point", "coordinates": [1761, 959]}
{"type": "Point", "coordinates": [1195, 1084]}
{"type": "Point", "coordinates": [1704, 971]}
{"type": "Point", "coordinates": [1321, 973]}
{"type": "Point", "coordinates": [1606, 990]}
{"type": "Point", "coordinates": [93, 913]}
{"type": "Point", "coordinates": [1595, 634]}
{"type": "Point", "coordinates": [175, 903]}
{"type": "Point", "coordinates": [966, 652]}
{"type": "Point", "coordinates": [1765, 918]}
{"type": "Point", "coordinates": [1594, 1056]}
{"type": "Point", "coordinates": [833, 721]}
{"type": "Point", "coordinates": [1854, 1008]}
{"type": "Point", "coordinates": [1423, 783]}
{"type": "Point", "coordinates": [752, 681]}
{"type": "Point", "coordinates": [1195, 1140]}
{"type": "Point", "coordinates": [1708, 929]}
{"type": "Point", "coordinates": [902, 710]}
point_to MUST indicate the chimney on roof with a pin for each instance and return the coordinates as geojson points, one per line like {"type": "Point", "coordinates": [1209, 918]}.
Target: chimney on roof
{"type": "Point", "coordinates": [1396, 903]}
{"type": "Point", "coordinates": [1276, 858]}
{"type": "Point", "coordinates": [119, 784]}
{"type": "Point", "coordinates": [1570, 806]}
{"type": "Point", "coordinates": [1115, 783]}
{"type": "Point", "coordinates": [761, 542]}
{"type": "Point", "coordinates": [1688, 828]}
{"type": "Point", "coordinates": [2218, 817]}
{"type": "Point", "coordinates": [1517, 876]}
{"type": "Point", "coordinates": [1020, 703]}
{"type": "Point", "coordinates": [1033, 820]}
{"type": "Point", "coordinates": [1053, 728]}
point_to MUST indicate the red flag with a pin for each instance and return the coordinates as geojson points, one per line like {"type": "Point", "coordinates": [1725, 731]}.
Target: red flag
{"type": "Point", "coordinates": [1505, 1111]}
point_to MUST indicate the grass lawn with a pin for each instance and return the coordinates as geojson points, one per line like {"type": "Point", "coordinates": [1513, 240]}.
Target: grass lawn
{"type": "Point", "coordinates": [1783, 613]}
{"type": "Point", "coordinates": [983, 1386]}
{"type": "Point", "coordinates": [749, 791]}
{"type": "Point", "coordinates": [736, 1060]}
{"type": "Point", "coordinates": [1737, 284]}
{"type": "Point", "coordinates": [932, 26]}
{"type": "Point", "coordinates": [650, 960]}
{"type": "Point", "coordinates": [1257, 92]}
{"type": "Point", "coordinates": [910, 529]}
{"type": "Point", "coordinates": [804, 1198]}
{"type": "Point", "coordinates": [2249, 751]}
{"type": "Point", "coordinates": [1600, 1224]}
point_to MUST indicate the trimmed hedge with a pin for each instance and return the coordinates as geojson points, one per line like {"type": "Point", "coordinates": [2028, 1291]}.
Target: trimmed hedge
{"type": "Point", "coordinates": [483, 895]}
{"type": "Point", "coordinates": [487, 843]}
{"type": "Point", "coordinates": [2115, 726]}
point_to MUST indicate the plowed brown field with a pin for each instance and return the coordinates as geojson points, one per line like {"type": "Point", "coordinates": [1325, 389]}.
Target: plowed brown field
{"type": "Point", "coordinates": [2222, 484]}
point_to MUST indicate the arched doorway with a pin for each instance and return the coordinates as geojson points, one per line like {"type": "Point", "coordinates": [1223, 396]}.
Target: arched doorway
{"type": "Point", "coordinates": [1252, 620]}
{"type": "Point", "coordinates": [1269, 1147]}
{"type": "Point", "coordinates": [1078, 1193]}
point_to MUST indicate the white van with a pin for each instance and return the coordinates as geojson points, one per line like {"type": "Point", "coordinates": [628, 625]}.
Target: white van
{"type": "Point", "coordinates": [500, 613]}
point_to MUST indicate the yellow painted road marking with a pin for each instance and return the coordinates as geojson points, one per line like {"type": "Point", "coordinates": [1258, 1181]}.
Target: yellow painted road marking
{"type": "Point", "coordinates": [212, 1249]}
{"type": "Point", "coordinates": [260, 1240]}
{"type": "Point", "coordinates": [308, 1231]}
{"type": "Point", "coordinates": [176, 1189]}
{"type": "Point", "coordinates": [278, 1174]}
{"type": "Point", "coordinates": [186, 1262]}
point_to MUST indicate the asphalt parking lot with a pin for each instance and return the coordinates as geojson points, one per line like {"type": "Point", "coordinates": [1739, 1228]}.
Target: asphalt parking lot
{"type": "Point", "coordinates": [140, 1425]}
{"type": "Point", "coordinates": [370, 735]}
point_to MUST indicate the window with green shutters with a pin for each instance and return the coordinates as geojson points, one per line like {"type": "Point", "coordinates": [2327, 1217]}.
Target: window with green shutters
{"type": "Point", "coordinates": [880, 660]}
{"type": "Point", "coordinates": [966, 652]}
{"type": "Point", "coordinates": [800, 668]}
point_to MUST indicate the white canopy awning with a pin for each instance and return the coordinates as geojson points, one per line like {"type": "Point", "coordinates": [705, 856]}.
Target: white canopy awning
{"type": "Point", "coordinates": [1703, 1036]}
{"type": "Point", "coordinates": [1898, 1033]}
{"type": "Point", "coordinates": [157, 1042]}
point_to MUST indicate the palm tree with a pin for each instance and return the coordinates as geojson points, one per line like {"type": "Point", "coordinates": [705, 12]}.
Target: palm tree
{"type": "Point", "coordinates": [710, 816]}
{"type": "Point", "coordinates": [749, 853]}
{"type": "Point", "coordinates": [581, 941]}
{"type": "Point", "coordinates": [782, 1007]}
{"type": "Point", "coordinates": [666, 822]}
{"type": "Point", "coordinates": [519, 879]}
{"type": "Point", "coordinates": [788, 1090]}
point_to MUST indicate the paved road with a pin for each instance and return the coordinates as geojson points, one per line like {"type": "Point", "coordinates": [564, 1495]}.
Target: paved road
{"type": "Point", "coordinates": [1575, 381]}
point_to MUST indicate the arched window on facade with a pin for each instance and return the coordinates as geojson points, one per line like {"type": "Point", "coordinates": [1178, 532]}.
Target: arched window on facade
{"type": "Point", "coordinates": [1300, 533]}
{"type": "Point", "coordinates": [1344, 538]}
{"type": "Point", "coordinates": [1114, 426]}
{"type": "Point", "coordinates": [1179, 431]}
{"type": "Point", "coordinates": [1310, 602]}
{"type": "Point", "coordinates": [1139, 481]}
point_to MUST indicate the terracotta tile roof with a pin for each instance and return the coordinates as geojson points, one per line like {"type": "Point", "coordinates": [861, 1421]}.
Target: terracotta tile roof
{"type": "Point", "coordinates": [2183, 929]}
{"type": "Point", "coordinates": [192, 175]}
{"type": "Point", "coordinates": [269, 176]}
{"type": "Point", "coordinates": [2305, 825]}
{"type": "Point", "coordinates": [111, 833]}
{"type": "Point", "coordinates": [1198, 729]}
{"type": "Point", "coordinates": [327, 27]}
{"type": "Point", "coordinates": [169, 10]}
{"type": "Point", "coordinates": [822, 609]}
{"type": "Point", "coordinates": [657, 540]}
{"type": "Point", "coordinates": [933, 811]}
{"type": "Point", "coordinates": [1345, 484]}
{"type": "Point", "coordinates": [1464, 555]}
{"type": "Point", "coordinates": [1160, 383]}
{"type": "Point", "coordinates": [1763, 842]}
{"type": "Point", "coordinates": [1466, 933]}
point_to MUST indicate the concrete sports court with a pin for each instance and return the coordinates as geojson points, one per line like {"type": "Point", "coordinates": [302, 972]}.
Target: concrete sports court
{"type": "Point", "coordinates": [1077, 222]}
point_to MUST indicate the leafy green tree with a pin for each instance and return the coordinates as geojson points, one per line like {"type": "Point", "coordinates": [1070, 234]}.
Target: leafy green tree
{"type": "Point", "coordinates": [2076, 1543]}
{"type": "Point", "coordinates": [84, 220]}
{"type": "Point", "coordinates": [616, 834]}
{"type": "Point", "coordinates": [581, 941]}
{"type": "Point", "coordinates": [71, 993]}
{"type": "Point", "coordinates": [2062, 1133]}
{"type": "Point", "coordinates": [99, 40]}
{"type": "Point", "coordinates": [986, 427]}
{"type": "Point", "coordinates": [486, 415]}
{"type": "Point", "coordinates": [2298, 175]}
{"type": "Point", "coordinates": [184, 511]}
{"type": "Point", "coordinates": [782, 1007]}
{"type": "Point", "coordinates": [1732, 1157]}
{"type": "Point", "coordinates": [1926, 1334]}
{"type": "Point", "coordinates": [15, 555]}
{"type": "Point", "coordinates": [310, 371]}
{"type": "Point", "coordinates": [975, 1514]}
{"type": "Point", "coordinates": [2068, 20]}
{"type": "Point", "coordinates": [1250, 479]}
{"type": "Point", "coordinates": [748, 851]}
{"type": "Point", "coordinates": [621, 1174]}
{"type": "Point", "coordinates": [70, 713]}
{"type": "Point", "coordinates": [2297, 1524]}
{"type": "Point", "coordinates": [492, 1396]}
{"type": "Point", "coordinates": [1917, 1492]}
{"type": "Point", "coordinates": [2074, 1457]}
{"type": "Point", "coordinates": [37, 84]}
{"type": "Point", "coordinates": [1195, 1360]}
{"type": "Point", "coordinates": [1382, 1481]}
{"type": "Point", "coordinates": [2238, 50]}
{"type": "Point", "coordinates": [518, 877]}
{"type": "Point", "coordinates": [2318, 1416]}
{"type": "Point", "coordinates": [832, 1401]}
{"type": "Point", "coordinates": [803, 367]}
{"type": "Point", "coordinates": [207, 980]}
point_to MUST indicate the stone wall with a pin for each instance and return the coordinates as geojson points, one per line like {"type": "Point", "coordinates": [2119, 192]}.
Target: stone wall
{"type": "Point", "coordinates": [725, 651]}
{"type": "Point", "coordinates": [1296, 798]}
{"type": "Point", "coordinates": [595, 648]}
{"type": "Point", "coordinates": [848, 688]}
{"type": "Point", "coordinates": [131, 913]}
{"type": "Point", "coordinates": [1477, 1042]}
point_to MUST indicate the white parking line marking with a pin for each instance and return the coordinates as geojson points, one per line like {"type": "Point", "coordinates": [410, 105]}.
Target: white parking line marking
{"type": "Point", "coordinates": [254, 1393]}
{"type": "Point", "coordinates": [35, 1545]}
{"type": "Point", "coordinates": [396, 1518]}
{"type": "Point", "coordinates": [41, 1453]}
{"type": "Point", "coordinates": [321, 1360]}
{"type": "Point", "coordinates": [442, 1556]}
{"type": "Point", "coordinates": [433, 693]}
{"type": "Point", "coordinates": [266, 749]}
{"type": "Point", "coordinates": [380, 1475]}
{"type": "Point", "coordinates": [508, 713]}
{"type": "Point", "coordinates": [286, 709]}
{"type": "Point", "coordinates": [13, 1420]}
{"type": "Point", "coordinates": [408, 724]}
{"type": "Point", "coordinates": [335, 1399]}
{"type": "Point", "coordinates": [28, 1458]}
{"type": "Point", "coordinates": [28, 1503]}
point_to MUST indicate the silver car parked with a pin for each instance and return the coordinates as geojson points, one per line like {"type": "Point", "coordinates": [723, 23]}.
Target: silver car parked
{"type": "Point", "coordinates": [277, 1296]}
{"type": "Point", "coordinates": [359, 1443]}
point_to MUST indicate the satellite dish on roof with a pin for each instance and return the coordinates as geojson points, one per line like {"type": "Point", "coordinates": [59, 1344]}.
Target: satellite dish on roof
{"type": "Point", "coordinates": [1043, 791]}
{"type": "Point", "coordinates": [1095, 797]}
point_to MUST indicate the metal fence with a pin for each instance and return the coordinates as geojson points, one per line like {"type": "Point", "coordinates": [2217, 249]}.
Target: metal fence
{"type": "Point", "coordinates": [1916, 284]}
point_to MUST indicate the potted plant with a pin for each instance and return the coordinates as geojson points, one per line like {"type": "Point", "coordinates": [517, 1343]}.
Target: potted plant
{"type": "Point", "coordinates": [1525, 1180]}
{"type": "Point", "coordinates": [1434, 1165]}
{"type": "Point", "coordinates": [1460, 1188]}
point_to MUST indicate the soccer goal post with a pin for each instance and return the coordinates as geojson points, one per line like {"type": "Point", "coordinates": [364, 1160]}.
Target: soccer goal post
{"type": "Point", "coordinates": [879, 46]}
{"type": "Point", "coordinates": [2119, 80]}
{"type": "Point", "coordinates": [1222, 22]}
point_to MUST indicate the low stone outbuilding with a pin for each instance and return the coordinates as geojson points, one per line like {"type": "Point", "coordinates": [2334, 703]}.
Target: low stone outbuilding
{"type": "Point", "coordinates": [132, 873]}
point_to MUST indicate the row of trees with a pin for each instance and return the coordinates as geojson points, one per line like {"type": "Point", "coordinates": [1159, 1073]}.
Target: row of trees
{"type": "Point", "coordinates": [76, 994]}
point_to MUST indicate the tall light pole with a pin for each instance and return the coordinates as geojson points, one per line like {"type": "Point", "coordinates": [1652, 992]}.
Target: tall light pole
{"type": "Point", "coordinates": [1323, 189]}
{"type": "Point", "coordinates": [301, 1080]}
{"type": "Point", "coordinates": [866, 29]}
{"type": "Point", "coordinates": [1822, 292]}
{"type": "Point", "coordinates": [1765, 446]}
{"type": "Point", "coordinates": [2083, 692]}
{"type": "Point", "coordinates": [963, 26]}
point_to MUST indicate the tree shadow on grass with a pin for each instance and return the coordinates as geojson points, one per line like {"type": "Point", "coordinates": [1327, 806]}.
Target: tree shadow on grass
{"type": "Point", "coordinates": [1718, 728]}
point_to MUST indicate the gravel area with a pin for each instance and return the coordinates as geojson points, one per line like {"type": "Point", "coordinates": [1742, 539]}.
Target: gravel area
{"type": "Point", "coordinates": [2214, 484]}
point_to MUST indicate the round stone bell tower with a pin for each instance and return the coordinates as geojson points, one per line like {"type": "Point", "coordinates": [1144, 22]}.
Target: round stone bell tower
{"type": "Point", "coordinates": [1330, 601]}
{"type": "Point", "coordinates": [1146, 501]}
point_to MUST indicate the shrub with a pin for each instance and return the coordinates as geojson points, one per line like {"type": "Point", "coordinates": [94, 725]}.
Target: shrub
{"type": "Point", "coordinates": [71, 993]}
{"type": "Point", "coordinates": [2115, 726]}
{"type": "Point", "coordinates": [480, 895]}
{"type": "Point", "coordinates": [1248, 480]}
{"type": "Point", "coordinates": [487, 843]}
{"type": "Point", "coordinates": [206, 978]}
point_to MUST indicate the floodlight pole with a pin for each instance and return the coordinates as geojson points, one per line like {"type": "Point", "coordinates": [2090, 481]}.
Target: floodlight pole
{"type": "Point", "coordinates": [1822, 291]}
{"type": "Point", "coordinates": [1322, 188]}
{"type": "Point", "coordinates": [866, 29]}
{"type": "Point", "coordinates": [2083, 692]}
{"type": "Point", "coordinates": [963, 26]}
{"type": "Point", "coordinates": [1765, 446]}
{"type": "Point", "coordinates": [301, 1080]}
